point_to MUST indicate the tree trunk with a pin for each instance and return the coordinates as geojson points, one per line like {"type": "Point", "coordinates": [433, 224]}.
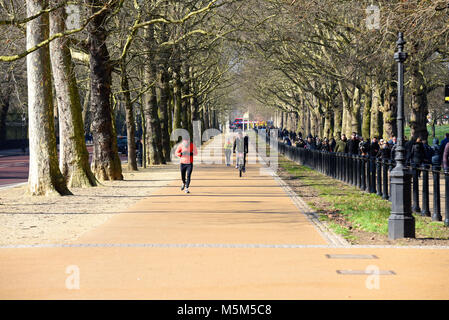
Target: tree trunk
{"type": "Point", "coordinates": [355, 112]}
{"type": "Point", "coordinates": [153, 126]}
{"type": "Point", "coordinates": [163, 82]}
{"type": "Point", "coordinates": [106, 164]}
{"type": "Point", "coordinates": [389, 111]}
{"type": "Point", "coordinates": [73, 155]}
{"type": "Point", "coordinates": [338, 117]}
{"type": "Point", "coordinates": [327, 130]}
{"type": "Point", "coordinates": [366, 118]}
{"type": "Point", "coordinates": [86, 111]}
{"type": "Point", "coordinates": [177, 98]}
{"type": "Point", "coordinates": [4, 107]}
{"type": "Point", "coordinates": [130, 123]}
{"type": "Point", "coordinates": [376, 125]}
{"type": "Point", "coordinates": [44, 177]}
{"type": "Point", "coordinates": [419, 106]}
{"type": "Point", "coordinates": [185, 103]}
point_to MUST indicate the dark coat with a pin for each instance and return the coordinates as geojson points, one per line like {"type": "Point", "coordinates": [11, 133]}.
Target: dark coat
{"type": "Point", "coordinates": [352, 146]}
{"type": "Point", "coordinates": [374, 149]}
{"type": "Point", "coordinates": [446, 157]}
{"type": "Point", "coordinates": [384, 153]}
{"type": "Point", "coordinates": [241, 146]}
{"type": "Point", "coordinates": [417, 154]}
{"type": "Point", "coordinates": [436, 158]}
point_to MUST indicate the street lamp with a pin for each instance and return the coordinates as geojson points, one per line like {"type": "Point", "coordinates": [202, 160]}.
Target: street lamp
{"type": "Point", "coordinates": [401, 223]}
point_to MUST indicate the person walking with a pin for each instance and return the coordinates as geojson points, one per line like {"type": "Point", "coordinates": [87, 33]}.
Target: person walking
{"type": "Point", "coordinates": [228, 150]}
{"type": "Point", "coordinates": [186, 151]}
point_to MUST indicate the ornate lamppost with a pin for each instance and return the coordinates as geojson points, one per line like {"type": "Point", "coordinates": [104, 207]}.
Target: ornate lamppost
{"type": "Point", "coordinates": [401, 223]}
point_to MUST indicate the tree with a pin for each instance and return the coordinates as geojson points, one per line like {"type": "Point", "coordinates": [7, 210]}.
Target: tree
{"type": "Point", "coordinates": [44, 175]}
{"type": "Point", "coordinates": [106, 164]}
{"type": "Point", "coordinates": [73, 155]}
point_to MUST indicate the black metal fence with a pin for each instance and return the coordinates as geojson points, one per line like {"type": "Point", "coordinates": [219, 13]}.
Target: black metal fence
{"type": "Point", "coordinates": [371, 174]}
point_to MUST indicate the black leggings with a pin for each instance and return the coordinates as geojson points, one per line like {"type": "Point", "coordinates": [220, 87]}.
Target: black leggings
{"type": "Point", "coordinates": [186, 169]}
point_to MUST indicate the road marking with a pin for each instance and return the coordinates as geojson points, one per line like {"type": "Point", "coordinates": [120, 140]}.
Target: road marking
{"type": "Point", "coordinates": [209, 245]}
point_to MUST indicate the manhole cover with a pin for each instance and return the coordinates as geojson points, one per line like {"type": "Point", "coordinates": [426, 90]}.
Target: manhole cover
{"type": "Point", "coordinates": [366, 272]}
{"type": "Point", "coordinates": [351, 256]}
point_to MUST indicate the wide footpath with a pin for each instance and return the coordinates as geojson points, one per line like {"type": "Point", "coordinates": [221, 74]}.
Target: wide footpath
{"type": "Point", "coordinates": [230, 238]}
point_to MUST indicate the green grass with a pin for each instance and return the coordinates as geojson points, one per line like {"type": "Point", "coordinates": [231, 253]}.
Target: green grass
{"type": "Point", "coordinates": [440, 132]}
{"type": "Point", "coordinates": [364, 211]}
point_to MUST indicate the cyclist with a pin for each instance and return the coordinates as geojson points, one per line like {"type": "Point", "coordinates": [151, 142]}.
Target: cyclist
{"type": "Point", "coordinates": [241, 145]}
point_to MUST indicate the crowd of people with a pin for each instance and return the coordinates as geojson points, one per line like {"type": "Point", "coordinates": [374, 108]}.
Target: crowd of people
{"type": "Point", "coordinates": [418, 152]}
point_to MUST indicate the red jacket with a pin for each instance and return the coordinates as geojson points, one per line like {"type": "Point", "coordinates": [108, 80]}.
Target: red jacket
{"type": "Point", "coordinates": [186, 153]}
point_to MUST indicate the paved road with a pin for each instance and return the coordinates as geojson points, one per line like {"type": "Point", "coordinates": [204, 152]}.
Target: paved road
{"type": "Point", "coordinates": [231, 238]}
{"type": "Point", "coordinates": [14, 168]}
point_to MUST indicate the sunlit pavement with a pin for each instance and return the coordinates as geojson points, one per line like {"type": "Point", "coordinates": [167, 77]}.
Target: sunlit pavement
{"type": "Point", "coordinates": [230, 238]}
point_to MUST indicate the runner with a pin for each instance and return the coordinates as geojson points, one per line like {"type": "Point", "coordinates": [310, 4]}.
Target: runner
{"type": "Point", "coordinates": [186, 151]}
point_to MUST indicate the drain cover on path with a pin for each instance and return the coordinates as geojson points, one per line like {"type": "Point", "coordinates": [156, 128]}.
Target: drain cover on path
{"type": "Point", "coordinates": [366, 272]}
{"type": "Point", "coordinates": [351, 256]}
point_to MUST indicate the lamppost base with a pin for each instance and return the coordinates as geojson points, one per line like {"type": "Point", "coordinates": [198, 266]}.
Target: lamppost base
{"type": "Point", "coordinates": [400, 226]}
{"type": "Point", "coordinates": [401, 223]}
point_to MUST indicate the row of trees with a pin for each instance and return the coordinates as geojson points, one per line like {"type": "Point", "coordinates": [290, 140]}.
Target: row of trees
{"type": "Point", "coordinates": [326, 71]}
{"type": "Point", "coordinates": [165, 58]}
{"type": "Point", "coordinates": [315, 63]}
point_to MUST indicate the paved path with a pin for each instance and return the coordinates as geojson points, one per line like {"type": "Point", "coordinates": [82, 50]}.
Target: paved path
{"type": "Point", "coordinates": [231, 238]}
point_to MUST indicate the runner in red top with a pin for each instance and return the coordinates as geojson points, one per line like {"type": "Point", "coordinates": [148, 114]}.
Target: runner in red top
{"type": "Point", "coordinates": [186, 151]}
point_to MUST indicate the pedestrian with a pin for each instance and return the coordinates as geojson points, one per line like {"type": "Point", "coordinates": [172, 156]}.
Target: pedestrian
{"type": "Point", "coordinates": [364, 147]}
{"type": "Point", "coordinates": [417, 153]}
{"type": "Point", "coordinates": [352, 146]}
{"type": "Point", "coordinates": [374, 147]}
{"type": "Point", "coordinates": [408, 145]}
{"type": "Point", "coordinates": [228, 150]}
{"type": "Point", "coordinates": [384, 152]}
{"type": "Point", "coordinates": [443, 144]}
{"type": "Point", "coordinates": [186, 151]}
{"type": "Point", "coordinates": [428, 152]}
{"type": "Point", "coordinates": [340, 146]}
{"type": "Point", "coordinates": [310, 144]}
{"type": "Point", "coordinates": [332, 144]}
{"type": "Point", "coordinates": [436, 158]}
{"type": "Point", "coordinates": [446, 158]}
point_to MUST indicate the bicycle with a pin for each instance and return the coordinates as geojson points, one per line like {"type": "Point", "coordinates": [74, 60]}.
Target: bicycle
{"type": "Point", "coordinates": [240, 163]}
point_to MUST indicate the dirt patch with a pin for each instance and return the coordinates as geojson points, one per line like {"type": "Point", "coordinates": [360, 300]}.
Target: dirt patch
{"type": "Point", "coordinates": [357, 236]}
{"type": "Point", "coordinates": [57, 220]}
